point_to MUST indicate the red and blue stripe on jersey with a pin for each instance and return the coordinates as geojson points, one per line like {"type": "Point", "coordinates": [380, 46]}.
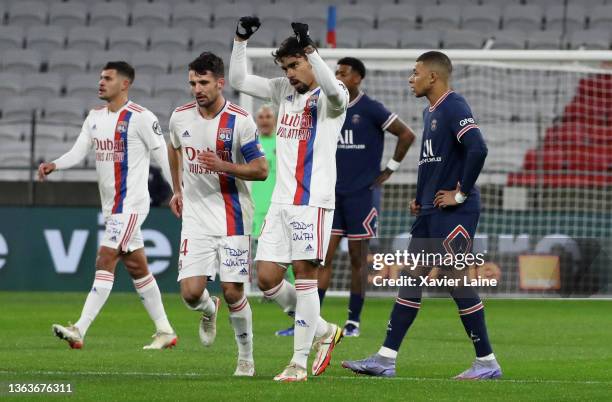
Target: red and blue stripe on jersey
{"type": "Point", "coordinates": [229, 190]}
{"type": "Point", "coordinates": [121, 163]}
{"type": "Point", "coordinates": [303, 167]}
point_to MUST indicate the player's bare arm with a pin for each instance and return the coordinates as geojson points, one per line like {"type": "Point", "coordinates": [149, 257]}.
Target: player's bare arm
{"type": "Point", "coordinates": [175, 160]}
{"type": "Point", "coordinates": [256, 170]}
{"type": "Point", "coordinates": [415, 208]}
{"type": "Point", "coordinates": [405, 138]}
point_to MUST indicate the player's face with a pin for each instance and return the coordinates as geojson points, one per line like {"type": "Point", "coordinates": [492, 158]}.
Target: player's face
{"type": "Point", "coordinates": [205, 88]}
{"type": "Point", "coordinates": [111, 84]}
{"type": "Point", "coordinates": [299, 72]}
{"type": "Point", "coordinates": [265, 121]}
{"type": "Point", "coordinates": [349, 78]}
{"type": "Point", "coordinates": [421, 79]}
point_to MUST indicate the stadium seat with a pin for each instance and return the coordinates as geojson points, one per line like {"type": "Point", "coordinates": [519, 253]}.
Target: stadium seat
{"type": "Point", "coordinates": [28, 13]}
{"type": "Point", "coordinates": [265, 37]}
{"type": "Point", "coordinates": [226, 15]}
{"type": "Point", "coordinates": [151, 63]}
{"type": "Point", "coordinates": [544, 40]}
{"type": "Point", "coordinates": [99, 59]}
{"type": "Point", "coordinates": [570, 20]}
{"type": "Point", "coordinates": [600, 17]}
{"type": "Point", "coordinates": [380, 38]}
{"type": "Point", "coordinates": [180, 61]}
{"type": "Point", "coordinates": [15, 154]}
{"type": "Point", "coordinates": [191, 16]}
{"type": "Point", "coordinates": [162, 108]}
{"type": "Point", "coordinates": [151, 15]}
{"type": "Point", "coordinates": [509, 39]}
{"type": "Point", "coordinates": [46, 85]}
{"type": "Point", "coordinates": [19, 109]}
{"type": "Point", "coordinates": [273, 16]}
{"type": "Point", "coordinates": [421, 39]}
{"type": "Point", "coordinates": [213, 40]}
{"type": "Point", "coordinates": [46, 39]}
{"type": "Point", "coordinates": [142, 88]}
{"type": "Point", "coordinates": [109, 15]}
{"type": "Point", "coordinates": [462, 39]}
{"type": "Point", "coordinates": [169, 40]}
{"type": "Point", "coordinates": [596, 39]}
{"type": "Point", "coordinates": [525, 18]}
{"type": "Point", "coordinates": [82, 86]}
{"type": "Point", "coordinates": [441, 17]}
{"type": "Point", "coordinates": [397, 16]}
{"type": "Point", "coordinates": [174, 87]}
{"type": "Point", "coordinates": [128, 39]}
{"type": "Point", "coordinates": [65, 110]}
{"type": "Point", "coordinates": [91, 39]}
{"type": "Point", "coordinates": [68, 15]}
{"type": "Point", "coordinates": [11, 37]}
{"type": "Point", "coordinates": [481, 18]}
{"type": "Point", "coordinates": [315, 15]}
{"type": "Point", "coordinates": [10, 85]}
{"type": "Point", "coordinates": [347, 37]}
{"type": "Point", "coordinates": [358, 16]}
{"type": "Point", "coordinates": [25, 61]}
{"type": "Point", "coordinates": [49, 148]}
{"type": "Point", "coordinates": [67, 62]}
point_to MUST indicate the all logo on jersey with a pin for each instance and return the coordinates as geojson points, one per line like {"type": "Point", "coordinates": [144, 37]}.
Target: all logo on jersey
{"type": "Point", "coordinates": [225, 134]}
{"type": "Point", "coordinates": [428, 149]}
{"type": "Point", "coordinates": [346, 137]}
{"type": "Point", "coordinates": [186, 134]}
{"type": "Point", "coordinates": [355, 119]}
{"type": "Point", "coordinates": [434, 124]}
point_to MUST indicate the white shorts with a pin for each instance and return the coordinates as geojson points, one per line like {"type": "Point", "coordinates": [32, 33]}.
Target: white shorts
{"type": "Point", "coordinates": [294, 232]}
{"type": "Point", "coordinates": [229, 256]}
{"type": "Point", "coordinates": [123, 232]}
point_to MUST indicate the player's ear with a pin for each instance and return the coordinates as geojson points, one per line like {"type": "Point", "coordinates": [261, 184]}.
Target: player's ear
{"type": "Point", "coordinates": [220, 83]}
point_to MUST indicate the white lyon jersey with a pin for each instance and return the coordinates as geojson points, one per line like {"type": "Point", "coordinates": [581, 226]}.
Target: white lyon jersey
{"type": "Point", "coordinates": [215, 203]}
{"type": "Point", "coordinates": [122, 142]}
{"type": "Point", "coordinates": [307, 132]}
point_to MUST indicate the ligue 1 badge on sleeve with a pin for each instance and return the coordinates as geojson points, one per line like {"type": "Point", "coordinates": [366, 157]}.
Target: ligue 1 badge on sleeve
{"type": "Point", "coordinates": [157, 128]}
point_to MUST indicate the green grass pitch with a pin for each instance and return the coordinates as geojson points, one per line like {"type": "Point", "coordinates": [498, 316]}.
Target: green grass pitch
{"type": "Point", "coordinates": [548, 349]}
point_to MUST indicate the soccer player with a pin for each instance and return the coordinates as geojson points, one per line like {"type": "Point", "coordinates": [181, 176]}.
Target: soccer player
{"type": "Point", "coordinates": [216, 143]}
{"type": "Point", "coordinates": [124, 136]}
{"type": "Point", "coordinates": [447, 208]}
{"type": "Point", "coordinates": [358, 158]}
{"type": "Point", "coordinates": [311, 107]}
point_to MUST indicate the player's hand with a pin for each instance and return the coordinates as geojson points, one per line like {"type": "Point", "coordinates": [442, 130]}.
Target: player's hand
{"type": "Point", "coordinates": [446, 198]}
{"type": "Point", "coordinates": [176, 204]}
{"type": "Point", "coordinates": [247, 26]}
{"type": "Point", "coordinates": [382, 177]}
{"type": "Point", "coordinates": [415, 208]}
{"type": "Point", "coordinates": [45, 169]}
{"type": "Point", "coordinates": [302, 34]}
{"type": "Point", "coordinates": [211, 161]}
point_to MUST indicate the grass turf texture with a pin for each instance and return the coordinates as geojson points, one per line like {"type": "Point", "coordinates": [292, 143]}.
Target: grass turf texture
{"type": "Point", "coordinates": [549, 350]}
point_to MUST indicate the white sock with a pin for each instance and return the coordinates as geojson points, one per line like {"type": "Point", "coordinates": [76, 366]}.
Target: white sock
{"type": "Point", "coordinates": [322, 327]}
{"type": "Point", "coordinates": [386, 352]}
{"type": "Point", "coordinates": [487, 358]}
{"type": "Point", "coordinates": [205, 304]}
{"type": "Point", "coordinates": [241, 319]}
{"type": "Point", "coordinates": [284, 295]}
{"type": "Point", "coordinates": [100, 290]}
{"type": "Point", "coordinates": [306, 319]}
{"type": "Point", "coordinates": [151, 299]}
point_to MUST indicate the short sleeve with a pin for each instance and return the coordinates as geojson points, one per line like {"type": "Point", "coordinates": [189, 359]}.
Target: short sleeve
{"type": "Point", "coordinates": [175, 137]}
{"type": "Point", "coordinates": [249, 140]}
{"type": "Point", "coordinates": [461, 119]}
{"type": "Point", "coordinates": [150, 130]}
{"type": "Point", "coordinates": [381, 115]}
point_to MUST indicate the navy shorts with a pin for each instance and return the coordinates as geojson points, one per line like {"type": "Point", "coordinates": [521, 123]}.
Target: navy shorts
{"type": "Point", "coordinates": [444, 232]}
{"type": "Point", "coordinates": [356, 215]}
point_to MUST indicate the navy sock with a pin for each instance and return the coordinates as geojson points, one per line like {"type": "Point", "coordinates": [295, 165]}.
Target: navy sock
{"type": "Point", "coordinates": [321, 295]}
{"type": "Point", "coordinates": [403, 314]}
{"type": "Point", "coordinates": [471, 312]}
{"type": "Point", "coordinates": [355, 305]}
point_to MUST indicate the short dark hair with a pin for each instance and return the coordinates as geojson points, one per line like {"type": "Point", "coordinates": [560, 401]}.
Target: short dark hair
{"type": "Point", "coordinates": [288, 48]}
{"type": "Point", "coordinates": [438, 58]}
{"type": "Point", "coordinates": [124, 68]}
{"type": "Point", "coordinates": [355, 64]}
{"type": "Point", "coordinates": [208, 61]}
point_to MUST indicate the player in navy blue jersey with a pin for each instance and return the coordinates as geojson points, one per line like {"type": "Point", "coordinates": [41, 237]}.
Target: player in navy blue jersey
{"type": "Point", "coordinates": [447, 208]}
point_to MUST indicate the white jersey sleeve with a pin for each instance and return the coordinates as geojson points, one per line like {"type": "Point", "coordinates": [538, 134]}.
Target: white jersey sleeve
{"type": "Point", "coordinates": [82, 146]}
{"type": "Point", "coordinates": [150, 131]}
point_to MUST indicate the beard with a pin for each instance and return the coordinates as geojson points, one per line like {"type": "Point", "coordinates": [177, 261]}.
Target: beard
{"type": "Point", "coordinates": [301, 89]}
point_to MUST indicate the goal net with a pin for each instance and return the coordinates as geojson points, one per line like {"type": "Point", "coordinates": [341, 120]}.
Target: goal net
{"type": "Point", "coordinates": [546, 116]}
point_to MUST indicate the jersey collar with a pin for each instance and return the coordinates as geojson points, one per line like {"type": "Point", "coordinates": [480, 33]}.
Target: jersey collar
{"type": "Point", "coordinates": [357, 99]}
{"type": "Point", "coordinates": [444, 95]}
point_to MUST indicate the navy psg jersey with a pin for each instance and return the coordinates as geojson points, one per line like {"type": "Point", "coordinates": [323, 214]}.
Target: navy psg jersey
{"type": "Point", "coordinates": [442, 157]}
{"type": "Point", "coordinates": [361, 144]}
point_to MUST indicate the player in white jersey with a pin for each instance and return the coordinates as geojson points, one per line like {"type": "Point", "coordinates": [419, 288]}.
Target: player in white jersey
{"type": "Point", "coordinates": [124, 136]}
{"type": "Point", "coordinates": [311, 105]}
{"type": "Point", "coordinates": [216, 143]}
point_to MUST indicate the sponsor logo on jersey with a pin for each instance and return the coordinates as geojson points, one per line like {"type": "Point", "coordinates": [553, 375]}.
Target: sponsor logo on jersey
{"type": "Point", "coordinates": [428, 153]}
{"type": "Point", "coordinates": [434, 124]}
{"type": "Point", "coordinates": [186, 134]}
{"type": "Point", "coordinates": [465, 121]}
{"type": "Point", "coordinates": [244, 271]}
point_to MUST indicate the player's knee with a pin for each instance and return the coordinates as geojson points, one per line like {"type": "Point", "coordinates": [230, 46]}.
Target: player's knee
{"type": "Point", "coordinates": [232, 294]}
{"type": "Point", "coordinates": [106, 259]}
{"type": "Point", "coordinates": [266, 283]}
{"type": "Point", "coordinates": [191, 298]}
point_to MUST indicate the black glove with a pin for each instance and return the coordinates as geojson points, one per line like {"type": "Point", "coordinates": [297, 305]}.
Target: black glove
{"type": "Point", "coordinates": [301, 33]}
{"type": "Point", "coordinates": [247, 26]}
